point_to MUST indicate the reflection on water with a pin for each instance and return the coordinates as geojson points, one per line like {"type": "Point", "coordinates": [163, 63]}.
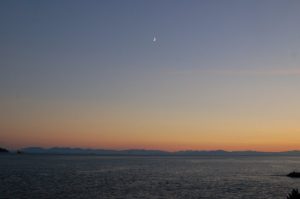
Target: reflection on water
{"type": "Point", "coordinates": [36, 176]}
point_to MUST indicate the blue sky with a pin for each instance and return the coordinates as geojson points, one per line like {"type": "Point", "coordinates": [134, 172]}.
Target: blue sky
{"type": "Point", "coordinates": [84, 57]}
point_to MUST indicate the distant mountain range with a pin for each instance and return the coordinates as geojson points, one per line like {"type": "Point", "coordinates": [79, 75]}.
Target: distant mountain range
{"type": "Point", "coordinates": [65, 150]}
{"type": "Point", "coordinates": [82, 151]}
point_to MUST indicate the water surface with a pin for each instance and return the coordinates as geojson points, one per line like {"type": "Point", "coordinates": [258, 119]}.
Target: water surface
{"type": "Point", "coordinates": [104, 177]}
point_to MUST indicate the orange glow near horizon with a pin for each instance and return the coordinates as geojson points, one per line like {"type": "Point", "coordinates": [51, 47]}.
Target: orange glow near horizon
{"type": "Point", "coordinates": [169, 135]}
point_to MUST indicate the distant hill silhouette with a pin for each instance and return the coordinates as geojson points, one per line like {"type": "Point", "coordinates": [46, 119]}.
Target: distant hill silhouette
{"type": "Point", "coordinates": [65, 150]}
{"type": "Point", "coordinates": [83, 151]}
{"type": "Point", "coordinates": [3, 150]}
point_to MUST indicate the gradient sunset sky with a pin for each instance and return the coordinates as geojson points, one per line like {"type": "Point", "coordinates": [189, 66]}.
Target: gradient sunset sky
{"type": "Point", "coordinates": [220, 75]}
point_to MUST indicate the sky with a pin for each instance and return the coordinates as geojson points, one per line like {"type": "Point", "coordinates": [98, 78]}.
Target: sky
{"type": "Point", "coordinates": [218, 75]}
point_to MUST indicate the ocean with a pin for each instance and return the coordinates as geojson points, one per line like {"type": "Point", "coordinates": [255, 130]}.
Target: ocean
{"type": "Point", "coordinates": [117, 177]}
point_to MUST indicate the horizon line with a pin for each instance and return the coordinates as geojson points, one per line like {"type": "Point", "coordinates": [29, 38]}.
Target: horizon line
{"type": "Point", "coordinates": [161, 150]}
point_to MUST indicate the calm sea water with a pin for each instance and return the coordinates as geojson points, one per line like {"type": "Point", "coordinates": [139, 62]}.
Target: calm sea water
{"type": "Point", "coordinates": [36, 176]}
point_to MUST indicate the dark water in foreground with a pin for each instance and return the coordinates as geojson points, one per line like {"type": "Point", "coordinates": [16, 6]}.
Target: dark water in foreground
{"type": "Point", "coordinates": [36, 176]}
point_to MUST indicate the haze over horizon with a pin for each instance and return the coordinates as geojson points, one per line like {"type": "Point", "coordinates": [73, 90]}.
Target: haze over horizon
{"type": "Point", "coordinates": [170, 75]}
{"type": "Point", "coordinates": [61, 149]}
